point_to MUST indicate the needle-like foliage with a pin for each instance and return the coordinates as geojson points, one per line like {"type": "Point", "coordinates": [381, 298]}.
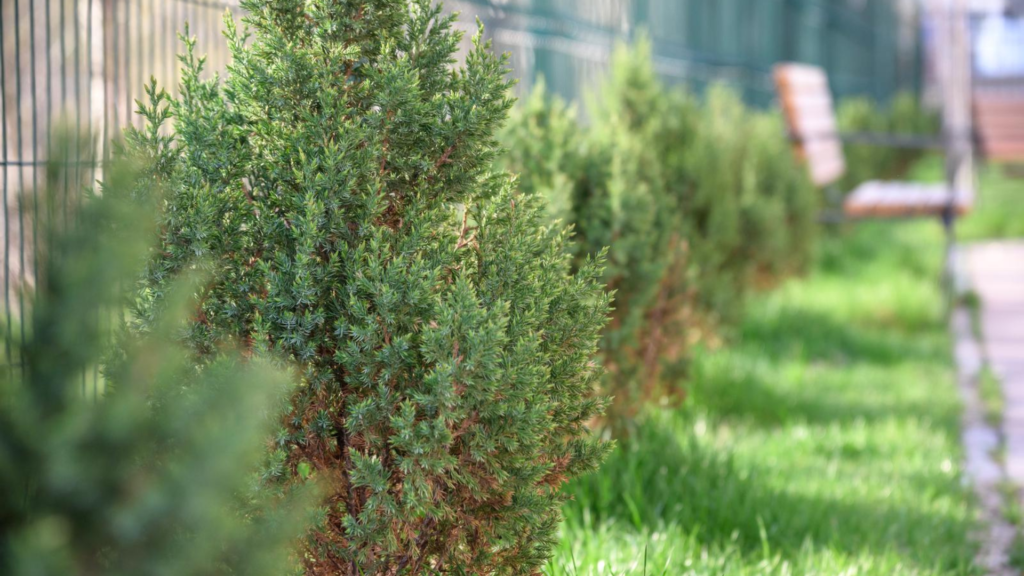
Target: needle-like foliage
{"type": "Point", "coordinates": [153, 475]}
{"type": "Point", "coordinates": [697, 199]}
{"type": "Point", "coordinates": [339, 183]}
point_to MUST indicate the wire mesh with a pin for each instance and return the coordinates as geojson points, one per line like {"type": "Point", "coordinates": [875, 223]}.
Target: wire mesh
{"type": "Point", "coordinates": [83, 63]}
{"type": "Point", "coordinates": [868, 47]}
{"type": "Point", "coordinates": [80, 64]}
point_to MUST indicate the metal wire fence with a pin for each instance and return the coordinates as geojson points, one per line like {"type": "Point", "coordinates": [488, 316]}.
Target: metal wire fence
{"type": "Point", "coordinates": [83, 63]}
{"type": "Point", "coordinates": [80, 64]}
{"type": "Point", "coordinates": [868, 47]}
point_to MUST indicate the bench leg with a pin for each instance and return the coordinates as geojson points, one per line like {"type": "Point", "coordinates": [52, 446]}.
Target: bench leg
{"type": "Point", "coordinates": [949, 287]}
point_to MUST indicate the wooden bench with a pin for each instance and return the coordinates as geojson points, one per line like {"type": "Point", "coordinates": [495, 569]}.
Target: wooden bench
{"type": "Point", "coordinates": [999, 125]}
{"type": "Point", "coordinates": [809, 111]}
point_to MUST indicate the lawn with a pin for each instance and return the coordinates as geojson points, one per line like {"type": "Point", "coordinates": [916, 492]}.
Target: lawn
{"type": "Point", "coordinates": [998, 207]}
{"type": "Point", "coordinates": [822, 440]}
{"type": "Point", "coordinates": [999, 212]}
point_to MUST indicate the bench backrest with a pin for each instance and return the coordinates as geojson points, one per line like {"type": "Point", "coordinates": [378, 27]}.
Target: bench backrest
{"type": "Point", "coordinates": [999, 124]}
{"type": "Point", "coordinates": [807, 106]}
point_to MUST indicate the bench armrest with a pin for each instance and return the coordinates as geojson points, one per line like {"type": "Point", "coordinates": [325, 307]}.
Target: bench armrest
{"type": "Point", "coordinates": [913, 141]}
{"type": "Point", "coordinates": [880, 139]}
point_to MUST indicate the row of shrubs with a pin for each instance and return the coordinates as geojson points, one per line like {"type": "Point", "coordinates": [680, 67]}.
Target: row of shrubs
{"type": "Point", "coordinates": [354, 346]}
{"type": "Point", "coordinates": [697, 199]}
{"type": "Point", "coordinates": [330, 207]}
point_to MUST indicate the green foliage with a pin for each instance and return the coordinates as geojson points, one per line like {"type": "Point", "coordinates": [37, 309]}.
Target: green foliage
{"type": "Point", "coordinates": [693, 200]}
{"type": "Point", "coordinates": [999, 209]}
{"type": "Point", "coordinates": [903, 116]}
{"type": "Point", "coordinates": [547, 152]}
{"type": "Point", "coordinates": [627, 206]}
{"type": "Point", "coordinates": [863, 162]}
{"type": "Point", "coordinates": [715, 165]}
{"type": "Point", "coordinates": [155, 476]}
{"type": "Point", "coordinates": [339, 185]}
{"type": "Point", "coordinates": [779, 203]}
{"type": "Point", "coordinates": [612, 177]}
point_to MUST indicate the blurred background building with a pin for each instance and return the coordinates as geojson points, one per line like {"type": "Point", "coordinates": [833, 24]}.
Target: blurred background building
{"type": "Point", "coordinates": [997, 29]}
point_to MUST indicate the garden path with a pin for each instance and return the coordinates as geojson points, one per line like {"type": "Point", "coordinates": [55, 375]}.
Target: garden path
{"type": "Point", "coordinates": [995, 272]}
{"type": "Point", "coordinates": [997, 277]}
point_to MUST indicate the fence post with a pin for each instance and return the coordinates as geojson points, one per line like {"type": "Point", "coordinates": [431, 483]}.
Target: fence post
{"type": "Point", "coordinates": [878, 63]}
{"type": "Point", "coordinates": [788, 32]}
{"type": "Point", "coordinates": [109, 17]}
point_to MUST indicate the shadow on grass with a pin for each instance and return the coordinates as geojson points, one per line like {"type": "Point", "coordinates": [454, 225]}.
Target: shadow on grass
{"type": "Point", "coordinates": [915, 247]}
{"type": "Point", "coordinates": [749, 399]}
{"type": "Point", "coordinates": [820, 428]}
{"type": "Point", "coordinates": [812, 335]}
{"type": "Point", "coordinates": [805, 366]}
{"type": "Point", "coordinates": [999, 209]}
{"type": "Point", "coordinates": [664, 476]}
{"type": "Point", "coordinates": [822, 354]}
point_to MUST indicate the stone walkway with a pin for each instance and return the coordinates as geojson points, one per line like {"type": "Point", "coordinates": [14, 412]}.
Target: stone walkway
{"type": "Point", "coordinates": [997, 275]}
{"type": "Point", "coordinates": [995, 272]}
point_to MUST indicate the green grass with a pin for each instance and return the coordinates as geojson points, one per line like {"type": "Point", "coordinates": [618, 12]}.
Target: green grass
{"type": "Point", "coordinates": [1014, 514]}
{"type": "Point", "coordinates": [990, 389]}
{"type": "Point", "coordinates": [999, 212]}
{"type": "Point", "coordinates": [992, 400]}
{"type": "Point", "coordinates": [999, 205]}
{"type": "Point", "coordinates": [823, 440]}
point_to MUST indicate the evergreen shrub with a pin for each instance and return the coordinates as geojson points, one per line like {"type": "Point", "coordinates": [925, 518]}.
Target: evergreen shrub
{"type": "Point", "coordinates": [610, 175]}
{"type": "Point", "coordinates": [151, 472]}
{"type": "Point", "coordinates": [339, 185]}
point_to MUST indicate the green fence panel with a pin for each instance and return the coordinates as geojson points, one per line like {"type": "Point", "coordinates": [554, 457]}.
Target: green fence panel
{"type": "Point", "coordinates": [80, 63]}
{"type": "Point", "coordinates": [84, 62]}
{"type": "Point", "coordinates": [868, 47]}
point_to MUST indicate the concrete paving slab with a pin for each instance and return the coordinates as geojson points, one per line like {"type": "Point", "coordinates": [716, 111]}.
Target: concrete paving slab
{"type": "Point", "coordinates": [995, 271]}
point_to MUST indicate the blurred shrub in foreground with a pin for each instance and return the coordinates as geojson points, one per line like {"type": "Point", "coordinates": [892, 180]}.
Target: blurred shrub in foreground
{"type": "Point", "coordinates": [154, 477]}
{"type": "Point", "coordinates": [697, 200]}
